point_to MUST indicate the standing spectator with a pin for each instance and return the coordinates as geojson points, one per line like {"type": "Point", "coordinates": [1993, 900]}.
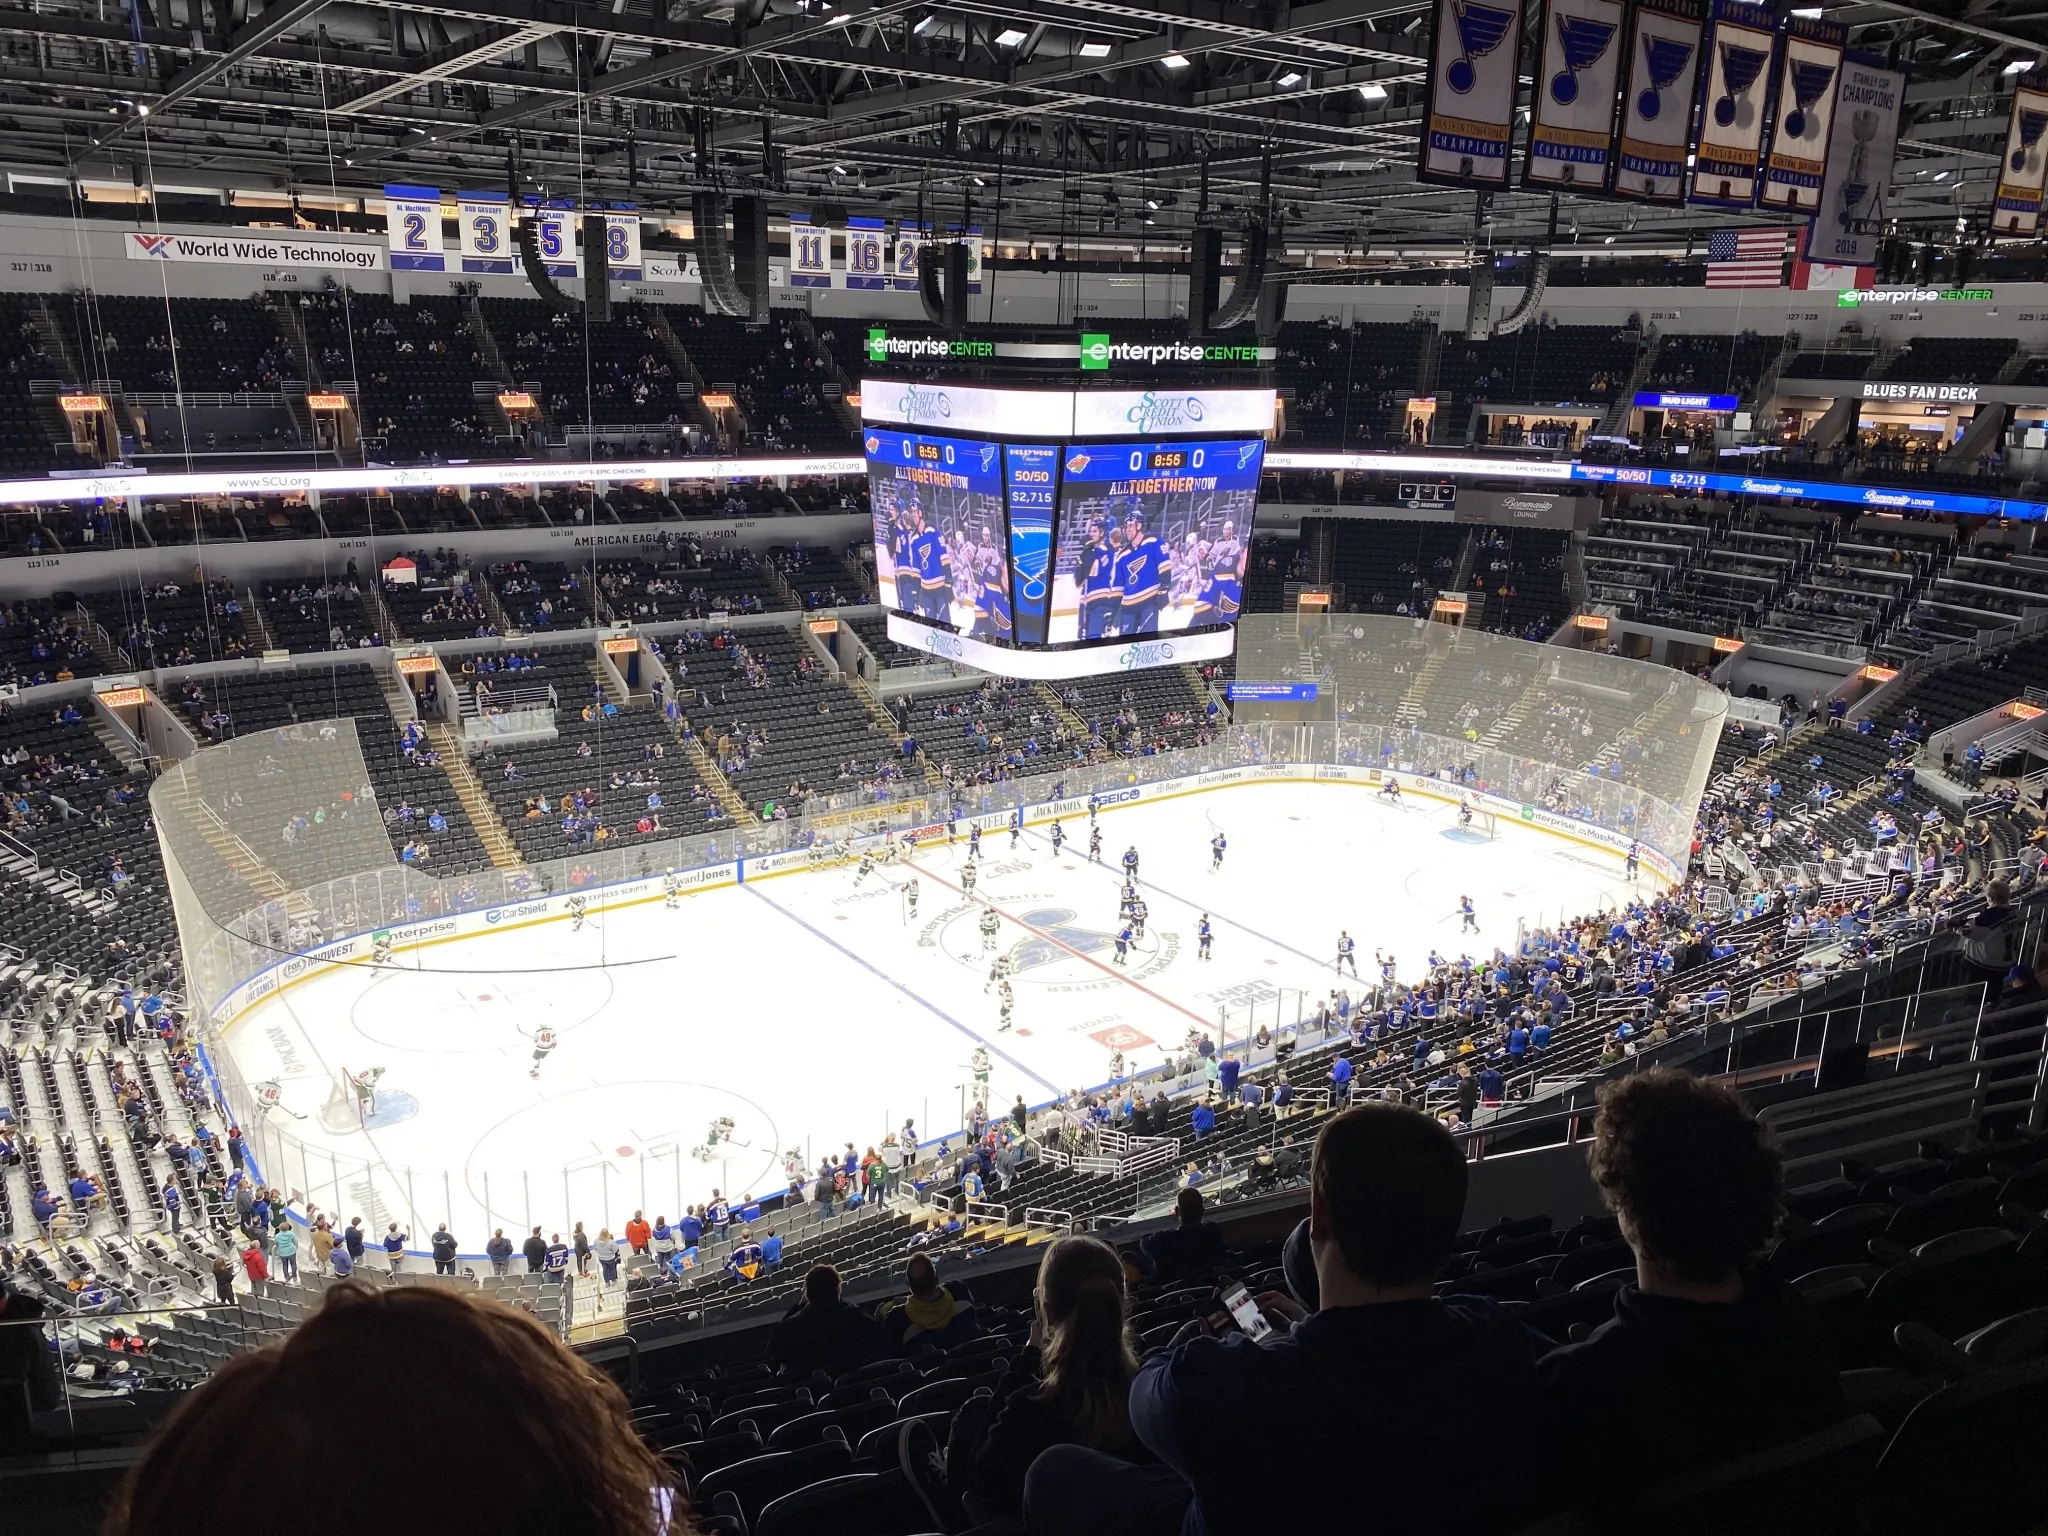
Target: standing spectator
{"type": "Point", "coordinates": [555, 1260]}
{"type": "Point", "coordinates": [582, 1247]}
{"type": "Point", "coordinates": [637, 1235]}
{"type": "Point", "coordinates": [352, 1238]}
{"type": "Point", "coordinates": [235, 1147]}
{"type": "Point", "coordinates": [223, 1278]}
{"type": "Point", "coordinates": [607, 1252]}
{"type": "Point", "coordinates": [536, 1251]}
{"type": "Point", "coordinates": [342, 1261]}
{"type": "Point", "coordinates": [256, 1266]}
{"type": "Point", "coordinates": [664, 1241]}
{"type": "Point", "coordinates": [323, 1244]}
{"type": "Point", "coordinates": [1340, 1081]}
{"type": "Point", "coordinates": [394, 1246]}
{"type": "Point", "coordinates": [284, 1247]}
{"type": "Point", "coordinates": [1709, 1343]}
{"type": "Point", "coordinates": [1386, 1357]}
{"type": "Point", "coordinates": [173, 1204]}
{"type": "Point", "coordinates": [499, 1251]}
{"type": "Point", "coordinates": [443, 1242]}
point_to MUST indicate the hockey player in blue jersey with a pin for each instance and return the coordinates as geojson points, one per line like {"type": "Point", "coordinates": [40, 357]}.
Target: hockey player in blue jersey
{"type": "Point", "coordinates": [928, 556]}
{"type": "Point", "coordinates": [1142, 572]}
{"type": "Point", "coordinates": [1016, 827]}
{"type": "Point", "coordinates": [1347, 953]}
{"type": "Point", "coordinates": [992, 612]}
{"type": "Point", "coordinates": [1059, 839]}
{"type": "Point", "coordinates": [1203, 938]}
{"type": "Point", "coordinates": [1123, 944]}
{"type": "Point", "coordinates": [1216, 846]}
{"type": "Point", "coordinates": [974, 841]}
{"type": "Point", "coordinates": [1131, 862]}
{"type": "Point", "coordinates": [901, 535]}
{"type": "Point", "coordinates": [1633, 863]}
{"type": "Point", "coordinates": [1470, 917]}
{"type": "Point", "coordinates": [1095, 576]}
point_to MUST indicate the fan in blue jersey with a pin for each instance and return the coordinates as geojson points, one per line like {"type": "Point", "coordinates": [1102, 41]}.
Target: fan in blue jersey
{"type": "Point", "coordinates": [1141, 573]}
{"type": "Point", "coordinates": [1096, 576]}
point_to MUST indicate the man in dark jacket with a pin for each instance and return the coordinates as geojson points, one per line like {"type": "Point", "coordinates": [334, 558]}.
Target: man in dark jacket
{"type": "Point", "coordinates": [824, 1333]}
{"type": "Point", "coordinates": [536, 1250]}
{"type": "Point", "coordinates": [1395, 1365]}
{"type": "Point", "coordinates": [444, 1250]}
{"type": "Point", "coordinates": [1708, 1345]}
{"type": "Point", "coordinates": [1192, 1247]}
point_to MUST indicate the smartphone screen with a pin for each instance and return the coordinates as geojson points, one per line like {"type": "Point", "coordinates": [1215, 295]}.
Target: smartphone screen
{"type": "Point", "coordinates": [1246, 1314]}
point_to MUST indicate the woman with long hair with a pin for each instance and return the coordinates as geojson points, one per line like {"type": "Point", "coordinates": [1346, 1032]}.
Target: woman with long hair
{"type": "Point", "coordinates": [1072, 1387]}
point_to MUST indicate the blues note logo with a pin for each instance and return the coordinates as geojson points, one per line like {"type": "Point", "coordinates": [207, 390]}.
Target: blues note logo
{"type": "Point", "coordinates": [1809, 83]}
{"type": "Point", "coordinates": [2032, 125]}
{"type": "Point", "coordinates": [1740, 68]}
{"type": "Point", "coordinates": [1664, 60]}
{"type": "Point", "coordinates": [1480, 30]}
{"type": "Point", "coordinates": [1582, 41]}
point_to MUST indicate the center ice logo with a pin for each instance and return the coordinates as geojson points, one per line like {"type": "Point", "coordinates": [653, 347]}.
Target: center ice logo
{"type": "Point", "coordinates": [1058, 938]}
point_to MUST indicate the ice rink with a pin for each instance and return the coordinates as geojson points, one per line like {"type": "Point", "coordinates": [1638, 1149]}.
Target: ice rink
{"type": "Point", "coordinates": [813, 1010]}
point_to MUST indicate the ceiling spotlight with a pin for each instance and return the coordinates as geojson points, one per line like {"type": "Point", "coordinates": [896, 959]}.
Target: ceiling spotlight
{"type": "Point", "coordinates": [1610, 240]}
{"type": "Point", "coordinates": [1095, 50]}
{"type": "Point", "coordinates": [1373, 92]}
{"type": "Point", "coordinates": [924, 27]}
{"type": "Point", "coordinates": [1807, 12]}
{"type": "Point", "coordinates": [840, 18]}
{"type": "Point", "coordinates": [979, 182]}
{"type": "Point", "coordinates": [1151, 202]}
{"type": "Point", "coordinates": [1010, 37]}
{"type": "Point", "coordinates": [1941, 175]}
{"type": "Point", "coordinates": [1291, 79]}
{"type": "Point", "coordinates": [1175, 61]}
{"type": "Point", "coordinates": [2017, 67]}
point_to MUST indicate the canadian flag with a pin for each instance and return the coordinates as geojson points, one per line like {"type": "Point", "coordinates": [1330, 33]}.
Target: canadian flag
{"type": "Point", "coordinates": [1821, 274]}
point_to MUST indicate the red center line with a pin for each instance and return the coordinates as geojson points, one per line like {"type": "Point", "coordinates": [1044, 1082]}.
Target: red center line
{"type": "Point", "coordinates": [1082, 955]}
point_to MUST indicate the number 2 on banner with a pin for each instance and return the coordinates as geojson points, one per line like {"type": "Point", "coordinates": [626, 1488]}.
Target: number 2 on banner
{"type": "Point", "coordinates": [415, 232]}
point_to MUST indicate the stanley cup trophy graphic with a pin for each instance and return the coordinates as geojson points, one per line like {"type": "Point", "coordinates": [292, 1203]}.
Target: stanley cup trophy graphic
{"type": "Point", "coordinates": [1856, 186]}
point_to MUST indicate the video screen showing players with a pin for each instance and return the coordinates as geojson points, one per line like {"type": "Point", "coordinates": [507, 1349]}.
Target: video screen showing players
{"type": "Point", "coordinates": [941, 550]}
{"type": "Point", "coordinates": [1153, 537]}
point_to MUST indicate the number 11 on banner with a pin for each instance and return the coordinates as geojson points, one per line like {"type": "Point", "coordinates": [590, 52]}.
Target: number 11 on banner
{"type": "Point", "coordinates": [810, 254]}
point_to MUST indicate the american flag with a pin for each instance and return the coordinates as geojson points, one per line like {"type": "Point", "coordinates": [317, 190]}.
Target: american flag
{"type": "Point", "coordinates": [1746, 258]}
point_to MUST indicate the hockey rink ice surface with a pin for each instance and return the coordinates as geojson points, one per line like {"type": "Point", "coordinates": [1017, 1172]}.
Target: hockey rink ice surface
{"type": "Point", "coordinates": [812, 1010]}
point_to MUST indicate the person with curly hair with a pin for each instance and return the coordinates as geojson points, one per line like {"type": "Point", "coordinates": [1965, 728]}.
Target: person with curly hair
{"type": "Point", "coordinates": [1709, 1352]}
{"type": "Point", "coordinates": [496, 1426]}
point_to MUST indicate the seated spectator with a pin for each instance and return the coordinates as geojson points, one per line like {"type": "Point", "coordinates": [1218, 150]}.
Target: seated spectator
{"type": "Point", "coordinates": [933, 1315]}
{"type": "Point", "coordinates": [1191, 1247]}
{"type": "Point", "coordinates": [824, 1333]}
{"type": "Point", "coordinates": [1070, 1387]}
{"type": "Point", "coordinates": [1397, 1366]}
{"type": "Point", "coordinates": [492, 1405]}
{"type": "Point", "coordinates": [1709, 1345]}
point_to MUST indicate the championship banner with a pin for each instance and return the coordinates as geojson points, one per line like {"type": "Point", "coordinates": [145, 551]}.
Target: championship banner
{"type": "Point", "coordinates": [554, 226]}
{"type": "Point", "coordinates": [1809, 73]}
{"type": "Point", "coordinates": [1475, 54]}
{"type": "Point", "coordinates": [485, 219]}
{"type": "Point", "coordinates": [866, 240]}
{"type": "Point", "coordinates": [903, 257]}
{"type": "Point", "coordinates": [1740, 41]}
{"type": "Point", "coordinates": [810, 254]}
{"type": "Point", "coordinates": [412, 223]}
{"type": "Point", "coordinates": [972, 235]}
{"type": "Point", "coordinates": [622, 244]}
{"type": "Point", "coordinates": [1861, 146]}
{"type": "Point", "coordinates": [1660, 86]}
{"type": "Point", "coordinates": [2016, 209]}
{"type": "Point", "coordinates": [1571, 127]}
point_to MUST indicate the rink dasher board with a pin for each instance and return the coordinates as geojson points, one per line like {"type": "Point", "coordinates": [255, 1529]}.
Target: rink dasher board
{"type": "Point", "coordinates": [510, 916]}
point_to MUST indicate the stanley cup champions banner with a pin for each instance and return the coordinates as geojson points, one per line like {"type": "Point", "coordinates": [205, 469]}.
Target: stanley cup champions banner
{"type": "Point", "coordinates": [412, 222]}
{"type": "Point", "coordinates": [1740, 41]}
{"type": "Point", "coordinates": [1809, 73]}
{"type": "Point", "coordinates": [1475, 56]}
{"type": "Point", "coordinates": [1659, 87]}
{"type": "Point", "coordinates": [1571, 129]}
{"type": "Point", "coordinates": [2016, 210]}
{"type": "Point", "coordinates": [1863, 140]}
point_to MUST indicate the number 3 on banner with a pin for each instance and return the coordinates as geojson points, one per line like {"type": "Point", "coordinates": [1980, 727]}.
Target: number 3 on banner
{"type": "Point", "coordinates": [484, 233]}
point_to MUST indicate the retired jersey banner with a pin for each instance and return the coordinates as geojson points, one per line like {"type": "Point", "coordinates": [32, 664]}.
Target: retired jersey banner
{"type": "Point", "coordinates": [1809, 74]}
{"type": "Point", "coordinates": [554, 226]}
{"type": "Point", "coordinates": [1741, 40]}
{"type": "Point", "coordinates": [866, 254]}
{"type": "Point", "coordinates": [485, 219]}
{"type": "Point", "coordinates": [1862, 140]}
{"type": "Point", "coordinates": [972, 235]}
{"type": "Point", "coordinates": [622, 244]}
{"type": "Point", "coordinates": [1571, 127]}
{"type": "Point", "coordinates": [412, 222]}
{"type": "Point", "coordinates": [1475, 55]}
{"type": "Point", "coordinates": [810, 254]}
{"type": "Point", "coordinates": [903, 257]}
{"type": "Point", "coordinates": [1659, 87]}
{"type": "Point", "coordinates": [2016, 209]}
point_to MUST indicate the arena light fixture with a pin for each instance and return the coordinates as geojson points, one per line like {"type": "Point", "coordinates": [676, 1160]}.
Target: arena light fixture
{"type": "Point", "coordinates": [1095, 50]}
{"type": "Point", "coordinates": [1010, 37]}
{"type": "Point", "coordinates": [924, 27]}
{"type": "Point", "coordinates": [2016, 67]}
{"type": "Point", "coordinates": [1807, 12]}
{"type": "Point", "coordinates": [1291, 79]}
{"type": "Point", "coordinates": [1175, 61]}
{"type": "Point", "coordinates": [1373, 91]}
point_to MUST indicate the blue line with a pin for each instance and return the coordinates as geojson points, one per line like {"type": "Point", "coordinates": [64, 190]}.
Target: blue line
{"type": "Point", "coordinates": [929, 1006]}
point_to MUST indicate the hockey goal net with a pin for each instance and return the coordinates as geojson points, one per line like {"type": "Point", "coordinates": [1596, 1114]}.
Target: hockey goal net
{"type": "Point", "coordinates": [350, 1101]}
{"type": "Point", "coordinates": [1481, 825]}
